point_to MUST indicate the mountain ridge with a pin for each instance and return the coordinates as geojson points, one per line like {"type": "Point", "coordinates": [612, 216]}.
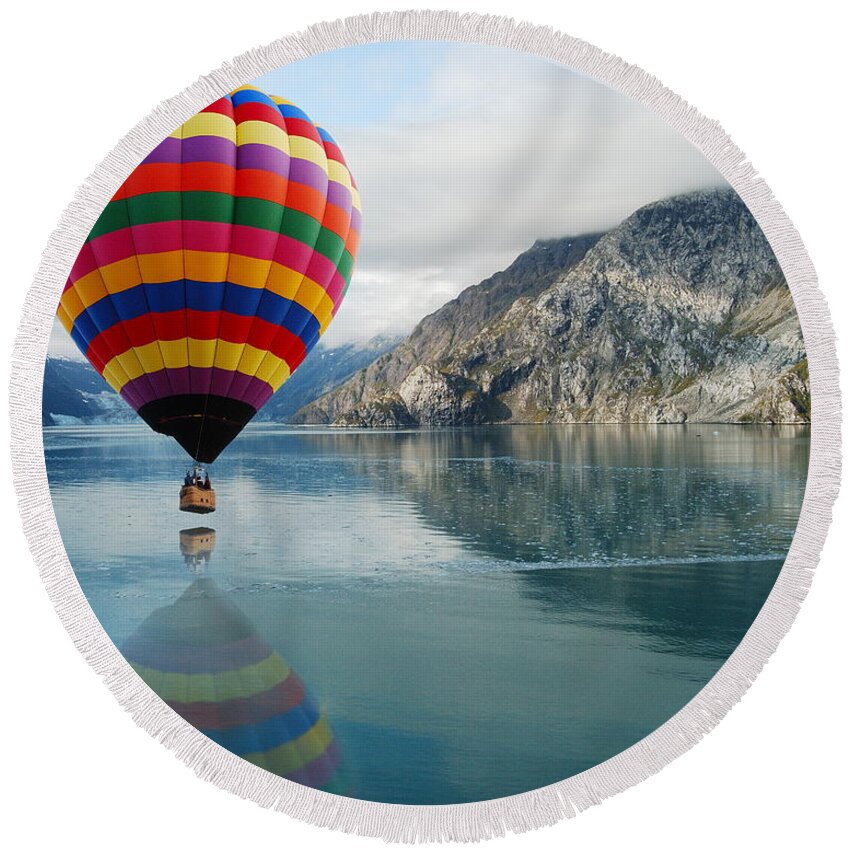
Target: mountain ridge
{"type": "Point", "coordinates": [680, 313]}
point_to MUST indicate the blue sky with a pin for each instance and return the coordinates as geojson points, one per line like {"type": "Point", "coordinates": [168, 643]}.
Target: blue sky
{"type": "Point", "coordinates": [465, 155]}
{"type": "Point", "coordinates": [359, 86]}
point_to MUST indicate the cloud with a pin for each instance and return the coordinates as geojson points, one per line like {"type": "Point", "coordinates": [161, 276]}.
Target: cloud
{"type": "Point", "coordinates": [498, 150]}
{"type": "Point", "coordinates": [465, 155]}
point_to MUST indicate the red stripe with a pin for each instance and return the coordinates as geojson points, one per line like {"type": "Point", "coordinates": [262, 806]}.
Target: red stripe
{"type": "Point", "coordinates": [178, 324]}
{"type": "Point", "coordinates": [300, 127]}
{"type": "Point", "coordinates": [333, 152]}
{"type": "Point", "coordinates": [222, 106]}
{"type": "Point", "coordinates": [241, 710]}
{"type": "Point", "coordinates": [255, 111]}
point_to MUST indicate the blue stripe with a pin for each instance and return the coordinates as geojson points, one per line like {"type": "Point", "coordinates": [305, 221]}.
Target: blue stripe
{"type": "Point", "coordinates": [251, 96]}
{"type": "Point", "coordinates": [325, 135]}
{"type": "Point", "coordinates": [287, 110]}
{"type": "Point", "coordinates": [149, 298]}
{"type": "Point", "coordinates": [271, 733]}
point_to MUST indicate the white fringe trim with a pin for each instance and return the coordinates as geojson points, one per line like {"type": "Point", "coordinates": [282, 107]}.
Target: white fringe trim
{"type": "Point", "coordinates": [471, 821]}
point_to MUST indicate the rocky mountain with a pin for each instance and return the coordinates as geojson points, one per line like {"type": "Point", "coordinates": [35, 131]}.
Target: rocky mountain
{"type": "Point", "coordinates": [75, 394]}
{"type": "Point", "coordinates": [681, 313]}
{"type": "Point", "coordinates": [322, 370]}
{"type": "Point", "coordinates": [439, 334]}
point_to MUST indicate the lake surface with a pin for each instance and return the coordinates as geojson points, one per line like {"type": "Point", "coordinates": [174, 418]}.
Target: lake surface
{"type": "Point", "coordinates": [476, 612]}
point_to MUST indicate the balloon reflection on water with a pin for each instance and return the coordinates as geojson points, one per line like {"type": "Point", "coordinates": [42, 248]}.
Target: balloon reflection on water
{"type": "Point", "coordinates": [204, 658]}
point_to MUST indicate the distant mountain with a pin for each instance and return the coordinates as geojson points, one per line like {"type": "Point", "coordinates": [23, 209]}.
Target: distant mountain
{"type": "Point", "coordinates": [75, 394]}
{"type": "Point", "coordinates": [681, 313]}
{"type": "Point", "coordinates": [322, 371]}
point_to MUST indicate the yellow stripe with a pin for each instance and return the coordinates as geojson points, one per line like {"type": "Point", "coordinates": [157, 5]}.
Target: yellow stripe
{"type": "Point", "coordinates": [279, 375]}
{"type": "Point", "coordinates": [262, 133]}
{"type": "Point", "coordinates": [206, 266]}
{"type": "Point", "coordinates": [270, 367]}
{"type": "Point", "coordinates": [339, 173]}
{"type": "Point", "coordinates": [247, 271]}
{"type": "Point", "coordinates": [250, 359]}
{"type": "Point", "coordinates": [304, 148]}
{"type": "Point", "coordinates": [216, 687]}
{"type": "Point", "coordinates": [293, 755]}
{"type": "Point", "coordinates": [295, 286]}
{"type": "Point", "coordinates": [71, 303]}
{"type": "Point", "coordinates": [179, 353]}
{"type": "Point", "coordinates": [209, 124]}
{"type": "Point", "coordinates": [202, 352]}
{"type": "Point", "coordinates": [162, 267]}
{"type": "Point", "coordinates": [150, 358]}
{"type": "Point", "coordinates": [65, 318]}
{"type": "Point", "coordinates": [115, 381]}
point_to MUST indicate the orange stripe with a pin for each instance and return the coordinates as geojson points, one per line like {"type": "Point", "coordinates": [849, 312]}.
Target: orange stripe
{"type": "Point", "coordinates": [254, 183]}
{"type": "Point", "coordinates": [306, 199]}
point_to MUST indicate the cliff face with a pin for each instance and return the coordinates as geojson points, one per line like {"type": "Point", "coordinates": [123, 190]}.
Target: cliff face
{"type": "Point", "coordinates": [434, 339]}
{"type": "Point", "coordinates": [681, 313]}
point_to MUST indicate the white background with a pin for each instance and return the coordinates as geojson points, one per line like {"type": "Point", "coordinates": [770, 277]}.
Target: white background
{"type": "Point", "coordinates": [76, 77]}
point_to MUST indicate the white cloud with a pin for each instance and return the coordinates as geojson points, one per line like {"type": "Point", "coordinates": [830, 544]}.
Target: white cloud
{"type": "Point", "coordinates": [506, 149]}
{"type": "Point", "coordinates": [61, 345]}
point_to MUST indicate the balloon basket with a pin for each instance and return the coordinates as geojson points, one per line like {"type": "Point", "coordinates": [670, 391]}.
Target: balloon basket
{"type": "Point", "coordinates": [197, 500]}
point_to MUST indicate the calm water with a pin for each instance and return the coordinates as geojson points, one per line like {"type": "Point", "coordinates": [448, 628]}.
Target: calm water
{"type": "Point", "coordinates": [477, 612]}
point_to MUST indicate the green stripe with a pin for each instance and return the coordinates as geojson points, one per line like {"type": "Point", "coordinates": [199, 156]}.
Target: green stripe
{"type": "Point", "coordinates": [113, 217]}
{"type": "Point", "coordinates": [345, 266]}
{"type": "Point", "coordinates": [217, 206]}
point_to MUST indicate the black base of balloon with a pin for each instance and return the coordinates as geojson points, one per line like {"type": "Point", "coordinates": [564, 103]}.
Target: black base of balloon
{"type": "Point", "coordinates": [204, 425]}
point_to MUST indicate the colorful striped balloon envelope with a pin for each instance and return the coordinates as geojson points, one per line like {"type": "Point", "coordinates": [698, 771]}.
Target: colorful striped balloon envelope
{"type": "Point", "coordinates": [216, 267]}
{"type": "Point", "coordinates": [204, 658]}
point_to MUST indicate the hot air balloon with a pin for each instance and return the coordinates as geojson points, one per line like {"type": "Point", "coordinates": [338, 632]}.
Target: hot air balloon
{"type": "Point", "coordinates": [204, 658]}
{"type": "Point", "coordinates": [214, 270]}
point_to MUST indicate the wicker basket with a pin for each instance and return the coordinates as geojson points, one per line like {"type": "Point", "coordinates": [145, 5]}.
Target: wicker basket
{"type": "Point", "coordinates": [197, 500]}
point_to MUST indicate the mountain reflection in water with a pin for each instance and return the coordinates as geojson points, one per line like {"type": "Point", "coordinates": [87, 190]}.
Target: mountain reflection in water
{"type": "Point", "coordinates": [479, 611]}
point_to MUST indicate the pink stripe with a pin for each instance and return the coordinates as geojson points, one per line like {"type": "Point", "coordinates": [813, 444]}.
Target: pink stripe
{"type": "Point", "coordinates": [293, 254]}
{"type": "Point", "coordinates": [336, 287]}
{"type": "Point", "coordinates": [112, 247]}
{"type": "Point", "coordinates": [83, 265]}
{"type": "Point", "coordinates": [206, 236]}
{"type": "Point", "coordinates": [153, 238]}
{"type": "Point", "coordinates": [321, 270]}
{"type": "Point", "coordinates": [253, 242]}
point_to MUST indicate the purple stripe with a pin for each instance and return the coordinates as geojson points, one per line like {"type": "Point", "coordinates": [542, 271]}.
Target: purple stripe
{"type": "Point", "coordinates": [356, 219]}
{"type": "Point", "coordinates": [308, 173]}
{"type": "Point", "coordinates": [168, 150]}
{"type": "Point", "coordinates": [209, 149]}
{"type": "Point", "coordinates": [339, 195]}
{"type": "Point", "coordinates": [168, 382]}
{"type": "Point", "coordinates": [249, 389]}
{"type": "Point", "coordinates": [194, 149]}
{"type": "Point", "coordinates": [263, 157]}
